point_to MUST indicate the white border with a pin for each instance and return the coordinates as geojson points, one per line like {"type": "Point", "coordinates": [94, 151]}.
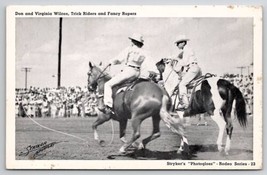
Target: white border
{"type": "Point", "coordinates": [254, 12]}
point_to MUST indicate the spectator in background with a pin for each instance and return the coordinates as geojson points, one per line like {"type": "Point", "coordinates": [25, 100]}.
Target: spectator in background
{"type": "Point", "coordinates": [62, 109]}
{"type": "Point", "coordinates": [53, 109]}
{"type": "Point", "coordinates": [45, 107]}
{"type": "Point", "coordinates": [75, 110]}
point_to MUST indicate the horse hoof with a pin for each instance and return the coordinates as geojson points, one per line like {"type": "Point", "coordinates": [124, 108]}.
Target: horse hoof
{"type": "Point", "coordinates": [135, 145]}
{"type": "Point", "coordinates": [220, 149]}
{"type": "Point", "coordinates": [123, 140]}
{"type": "Point", "coordinates": [102, 143]}
{"type": "Point", "coordinates": [141, 146]}
{"type": "Point", "coordinates": [122, 150]}
{"type": "Point", "coordinates": [179, 151]}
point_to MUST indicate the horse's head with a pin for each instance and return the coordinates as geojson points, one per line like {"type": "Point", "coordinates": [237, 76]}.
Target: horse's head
{"type": "Point", "coordinates": [169, 76]}
{"type": "Point", "coordinates": [96, 77]}
{"type": "Point", "coordinates": [92, 74]}
{"type": "Point", "coordinates": [161, 66]}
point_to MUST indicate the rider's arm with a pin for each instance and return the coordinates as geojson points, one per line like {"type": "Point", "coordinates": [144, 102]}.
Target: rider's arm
{"type": "Point", "coordinates": [178, 55]}
{"type": "Point", "coordinates": [189, 56]}
{"type": "Point", "coordinates": [148, 66]}
{"type": "Point", "coordinates": [120, 58]}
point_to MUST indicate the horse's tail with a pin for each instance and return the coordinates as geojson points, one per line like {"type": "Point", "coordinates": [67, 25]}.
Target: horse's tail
{"type": "Point", "coordinates": [174, 123]}
{"type": "Point", "coordinates": [240, 104]}
{"type": "Point", "coordinates": [240, 107]}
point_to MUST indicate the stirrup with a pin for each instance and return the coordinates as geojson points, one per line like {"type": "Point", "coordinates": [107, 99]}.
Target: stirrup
{"type": "Point", "coordinates": [106, 110]}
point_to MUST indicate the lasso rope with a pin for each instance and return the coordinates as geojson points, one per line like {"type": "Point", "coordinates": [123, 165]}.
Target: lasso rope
{"type": "Point", "coordinates": [56, 130]}
{"type": "Point", "coordinates": [64, 133]}
{"type": "Point", "coordinates": [112, 135]}
{"type": "Point", "coordinates": [53, 130]}
{"type": "Point", "coordinates": [168, 76]}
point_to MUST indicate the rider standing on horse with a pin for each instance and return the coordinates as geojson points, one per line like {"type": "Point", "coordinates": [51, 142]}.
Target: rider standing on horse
{"type": "Point", "coordinates": [133, 56]}
{"type": "Point", "coordinates": [187, 68]}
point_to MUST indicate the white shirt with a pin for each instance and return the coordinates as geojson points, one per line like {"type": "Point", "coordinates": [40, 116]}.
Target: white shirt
{"type": "Point", "coordinates": [132, 55]}
{"type": "Point", "coordinates": [137, 57]}
{"type": "Point", "coordinates": [185, 56]}
{"type": "Point", "coordinates": [149, 65]}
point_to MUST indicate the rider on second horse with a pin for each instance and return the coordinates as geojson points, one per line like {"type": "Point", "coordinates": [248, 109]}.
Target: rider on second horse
{"type": "Point", "coordinates": [187, 67]}
{"type": "Point", "coordinates": [133, 56]}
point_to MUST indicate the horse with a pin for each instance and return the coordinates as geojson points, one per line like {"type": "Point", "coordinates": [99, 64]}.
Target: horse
{"type": "Point", "coordinates": [141, 100]}
{"type": "Point", "coordinates": [215, 96]}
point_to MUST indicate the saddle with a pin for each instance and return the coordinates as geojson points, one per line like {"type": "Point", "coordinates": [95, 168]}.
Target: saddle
{"type": "Point", "coordinates": [191, 86]}
{"type": "Point", "coordinates": [198, 80]}
{"type": "Point", "coordinates": [127, 86]}
{"type": "Point", "coordinates": [200, 100]}
{"type": "Point", "coordinates": [195, 82]}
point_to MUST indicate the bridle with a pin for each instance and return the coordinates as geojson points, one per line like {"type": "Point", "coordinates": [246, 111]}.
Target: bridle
{"type": "Point", "coordinates": [93, 84]}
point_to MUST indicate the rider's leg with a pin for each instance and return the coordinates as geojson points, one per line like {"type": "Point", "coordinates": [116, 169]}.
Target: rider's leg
{"type": "Point", "coordinates": [193, 72]}
{"type": "Point", "coordinates": [126, 74]}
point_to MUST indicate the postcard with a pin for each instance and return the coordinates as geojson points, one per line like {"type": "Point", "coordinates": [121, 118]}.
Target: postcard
{"type": "Point", "coordinates": [134, 87]}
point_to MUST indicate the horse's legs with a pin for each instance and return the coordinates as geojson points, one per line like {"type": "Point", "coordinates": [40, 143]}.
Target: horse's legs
{"type": "Point", "coordinates": [218, 118]}
{"type": "Point", "coordinates": [155, 133]}
{"type": "Point", "coordinates": [123, 125]}
{"type": "Point", "coordinates": [229, 130]}
{"type": "Point", "coordinates": [184, 146]}
{"type": "Point", "coordinates": [228, 119]}
{"type": "Point", "coordinates": [136, 122]}
{"type": "Point", "coordinates": [201, 118]}
{"type": "Point", "coordinates": [176, 125]}
{"type": "Point", "coordinates": [100, 120]}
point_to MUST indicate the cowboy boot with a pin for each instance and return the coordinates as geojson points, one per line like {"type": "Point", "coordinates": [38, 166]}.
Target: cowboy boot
{"type": "Point", "coordinates": [106, 110]}
{"type": "Point", "coordinates": [102, 107]}
{"type": "Point", "coordinates": [183, 104]}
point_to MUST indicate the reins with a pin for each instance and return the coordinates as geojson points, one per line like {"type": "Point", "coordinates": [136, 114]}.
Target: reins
{"type": "Point", "coordinates": [168, 76]}
{"type": "Point", "coordinates": [172, 69]}
{"type": "Point", "coordinates": [102, 72]}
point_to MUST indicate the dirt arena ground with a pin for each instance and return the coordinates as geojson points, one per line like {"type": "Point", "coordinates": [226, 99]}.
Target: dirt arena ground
{"type": "Point", "coordinates": [202, 140]}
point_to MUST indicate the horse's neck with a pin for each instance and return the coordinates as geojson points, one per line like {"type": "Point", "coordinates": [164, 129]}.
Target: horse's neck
{"type": "Point", "coordinates": [102, 82]}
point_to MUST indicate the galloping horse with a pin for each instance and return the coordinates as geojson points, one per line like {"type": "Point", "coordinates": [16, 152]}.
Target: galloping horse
{"type": "Point", "coordinates": [142, 100]}
{"type": "Point", "coordinates": [217, 97]}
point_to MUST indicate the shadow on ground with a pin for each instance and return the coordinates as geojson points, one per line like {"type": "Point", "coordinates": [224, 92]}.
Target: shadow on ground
{"type": "Point", "coordinates": [194, 149]}
{"type": "Point", "coordinates": [147, 154]}
{"type": "Point", "coordinates": [150, 155]}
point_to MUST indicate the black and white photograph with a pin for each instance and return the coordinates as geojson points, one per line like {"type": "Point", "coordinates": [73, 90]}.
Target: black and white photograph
{"type": "Point", "coordinates": [135, 87]}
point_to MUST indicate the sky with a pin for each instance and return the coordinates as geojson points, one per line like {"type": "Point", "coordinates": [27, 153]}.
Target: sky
{"type": "Point", "coordinates": [220, 44]}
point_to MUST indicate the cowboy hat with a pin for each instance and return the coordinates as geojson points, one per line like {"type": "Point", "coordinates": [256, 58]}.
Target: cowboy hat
{"type": "Point", "coordinates": [137, 37]}
{"type": "Point", "coordinates": [181, 38]}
